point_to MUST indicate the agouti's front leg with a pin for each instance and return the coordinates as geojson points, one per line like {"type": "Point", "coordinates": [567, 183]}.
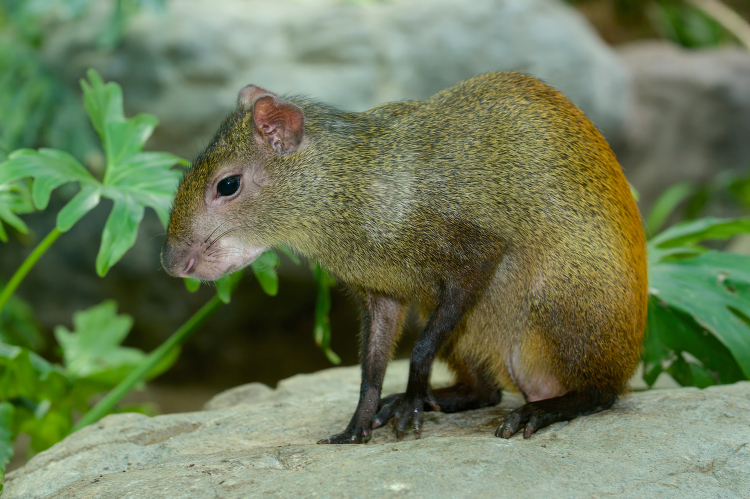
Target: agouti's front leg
{"type": "Point", "coordinates": [381, 325]}
{"type": "Point", "coordinates": [406, 408]}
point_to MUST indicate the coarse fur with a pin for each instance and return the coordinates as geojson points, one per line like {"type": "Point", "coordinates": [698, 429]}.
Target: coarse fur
{"type": "Point", "coordinates": [495, 207]}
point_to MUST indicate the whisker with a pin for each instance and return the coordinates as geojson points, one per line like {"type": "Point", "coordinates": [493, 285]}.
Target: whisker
{"type": "Point", "coordinates": [212, 233]}
{"type": "Point", "coordinates": [220, 236]}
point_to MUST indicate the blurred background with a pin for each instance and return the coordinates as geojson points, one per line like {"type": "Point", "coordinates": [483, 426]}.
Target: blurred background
{"type": "Point", "coordinates": [666, 81]}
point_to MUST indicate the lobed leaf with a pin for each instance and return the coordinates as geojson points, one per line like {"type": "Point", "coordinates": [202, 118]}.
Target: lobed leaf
{"type": "Point", "coordinates": [93, 350]}
{"type": "Point", "coordinates": [712, 288]}
{"type": "Point", "coordinates": [133, 179]}
{"type": "Point", "coordinates": [103, 102]}
{"type": "Point", "coordinates": [49, 168]}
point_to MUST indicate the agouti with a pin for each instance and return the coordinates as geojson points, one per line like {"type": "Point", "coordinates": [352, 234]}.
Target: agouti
{"type": "Point", "coordinates": [495, 207]}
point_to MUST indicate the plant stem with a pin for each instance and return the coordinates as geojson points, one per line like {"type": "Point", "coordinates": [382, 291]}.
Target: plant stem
{"type": "Point", "coordinates": [726, 17]}
{"type": "Point", "coordinates": [26, 266]}
{"type": "Point", "coordinates": [139, 373]}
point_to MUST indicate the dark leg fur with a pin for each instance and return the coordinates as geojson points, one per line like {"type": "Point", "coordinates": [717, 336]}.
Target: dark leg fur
{"type": "Point", "coordinates": [381, 326]}
{"type": "Point", "coordinates": [473, 391]}
{"type": "Point", "coordinates": [456, 398]}
{"type": "Point", "coordinates": [460, 397]}
{"type": "Point", "coordinates": [545, 412]}
{"type": "Point", "coordinates": [406, 409]}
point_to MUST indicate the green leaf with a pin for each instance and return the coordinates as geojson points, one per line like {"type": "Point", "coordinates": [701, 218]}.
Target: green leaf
{"type": "Point", "coordinates": [94, 348]}
{"type": "Point", "coordinates": [119, 233]}
{"type": "Point", "coordinates": [669, 334]}
{"type": "Point", "coordinates": [682, 238]}
{"type": "Point", "coordinates": [50, 169]}
{"type": "Point", "coordinates": [264, 267]}
{"type": "Point", "coordinates": [15, 198]}
{"type": "Point", "coordinates": [666, 204]}
{"type": "Point", "coordinates": [6, 438]}
{"type": "Point", "coordinates": [18, 326]}
{"type": "Point", "coordinates": [133, 179]}
{"type": "Point", "coordinates": [713, 289]}
{"type": "Point", "coordinates": [25, 374]}
{"type": "Point", "coordinates": [226, 285]}
{"type": "Point", "coordinates": [191, 284]}
{"type": "Point", "coordinates": [83, 202]}
{"type": "Point", "coordinates": [322, 329]}
{"type": "Point", "coordinates": [740, 190]}
{"type": "Point", "coordinates": [48, 428]}
{"type": "Point", "coordinates": [103, 102]}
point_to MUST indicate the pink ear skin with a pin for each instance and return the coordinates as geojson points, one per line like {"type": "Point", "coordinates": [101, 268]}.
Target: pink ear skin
{"type": "Point", "coordinates": [248, 95]}
{"type": "Point", "coordinates": [278, 122]}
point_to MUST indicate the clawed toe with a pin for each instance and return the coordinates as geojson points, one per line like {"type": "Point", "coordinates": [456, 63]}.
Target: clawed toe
{"type": "Point", "coordinates": [404, 411]}
{"type": "Point", "coordinates": [353, 436]}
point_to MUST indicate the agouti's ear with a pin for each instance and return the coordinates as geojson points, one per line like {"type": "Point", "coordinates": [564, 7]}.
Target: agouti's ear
{"type": "Point", "coordinates": [248, 95]}
{"type": "Point", "coordinates": [278, 123]}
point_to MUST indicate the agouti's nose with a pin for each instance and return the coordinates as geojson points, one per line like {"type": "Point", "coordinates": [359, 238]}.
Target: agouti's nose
{"type": "Point", "coordinates": [177, 263]}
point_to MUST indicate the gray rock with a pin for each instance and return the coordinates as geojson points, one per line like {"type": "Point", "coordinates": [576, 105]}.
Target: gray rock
{"type": "Point", "coordinates": [691, 115]}
{"type": "Point", "coordinates": [187, 64]}
{"type": "Point", "coordinates": [661, 443]}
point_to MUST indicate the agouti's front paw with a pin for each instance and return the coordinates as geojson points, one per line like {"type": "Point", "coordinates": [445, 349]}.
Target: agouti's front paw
{"type": "Point", "coordinates": [404, 410]}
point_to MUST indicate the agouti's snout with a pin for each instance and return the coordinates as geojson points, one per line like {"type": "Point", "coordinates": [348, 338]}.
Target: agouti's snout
{"type": "Point", "coordinates": [177, 263]}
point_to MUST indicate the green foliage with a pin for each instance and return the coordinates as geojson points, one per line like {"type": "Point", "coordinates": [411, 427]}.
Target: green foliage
{"type": "Point", "coordinates": [322, 331]}
{"type": "Point", "coordinates": [45, 395]}
{"type": "Point", "coordinates": [38, 108]}
{"type": "Point", "coordinates": [686, 25]}
{"type": "Point", "coordinates": [15, 199]}
{"type": "Point", "coordinates": [93, 352]}
{"type": "Point", "coordinates": [698, 327]}
{"type": "Point", "coordinates": [264, 268]}
{"type": "Point", "coordinates": [133, 179]}
{"type": "Point", "coordinates": [6, 438]}
{"type": "Point", "coordinates": [666, 205]}
{"type": "Point", "coordinates": [739, 188]}
{"type": "Point", "coordinates": [226, 285]}
{"type": "Point", "coordinates": [19, 327]}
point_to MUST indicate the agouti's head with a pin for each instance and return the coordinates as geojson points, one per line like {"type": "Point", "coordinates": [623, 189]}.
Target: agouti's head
{"type": "Point", "coordinates": [220, 219]}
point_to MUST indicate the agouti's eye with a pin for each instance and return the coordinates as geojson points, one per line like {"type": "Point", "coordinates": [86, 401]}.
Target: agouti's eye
{"type": "Point", "coordinates": [228, 186]}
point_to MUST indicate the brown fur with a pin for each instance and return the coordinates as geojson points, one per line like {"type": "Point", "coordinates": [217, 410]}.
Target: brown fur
{"type": "Point", "coordinates": [405, 197]}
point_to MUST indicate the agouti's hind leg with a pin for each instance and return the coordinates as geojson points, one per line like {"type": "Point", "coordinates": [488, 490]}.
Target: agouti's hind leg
{"type": "Point", "coordinates": [475, 388]}
{"type": "Point", "coordinates": [543, 413]}
{"type": "Point", "coordinates": [472, 391]}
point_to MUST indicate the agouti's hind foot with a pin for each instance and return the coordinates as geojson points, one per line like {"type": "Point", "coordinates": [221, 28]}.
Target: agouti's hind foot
{"type": "Point", "coordinates": [545, 412]}
{"type": "Point", "coordinates": [403, 410]}
{"type": "Point", "coordinates": [462, 397]}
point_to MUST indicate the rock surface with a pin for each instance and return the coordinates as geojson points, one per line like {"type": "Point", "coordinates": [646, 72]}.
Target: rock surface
{"type": "Point", "coordinates": [252, 440]}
